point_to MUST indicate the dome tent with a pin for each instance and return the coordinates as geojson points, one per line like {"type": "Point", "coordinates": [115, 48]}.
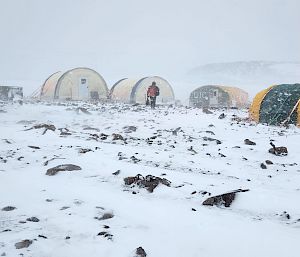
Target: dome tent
{"type": "Point", "coordinates": [121, 90]}
{"type": "Point", "coordinates": [75, 84]}
{"type": "Point", "coordinates": [134, 91]}
{"type": "Point", "coordinates": [218, 96]}
{"type": "Point", "coordinates": [276, 105]}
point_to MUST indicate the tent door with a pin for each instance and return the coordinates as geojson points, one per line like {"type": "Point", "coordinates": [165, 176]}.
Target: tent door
{"type": "Point", "coordinates": [83, 88]}
{"type": "Point", "coordinates": [213, 100]}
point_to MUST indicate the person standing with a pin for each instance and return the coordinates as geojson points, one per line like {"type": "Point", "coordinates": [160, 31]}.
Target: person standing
{"type": "Point", "coordinates": [152, 93]}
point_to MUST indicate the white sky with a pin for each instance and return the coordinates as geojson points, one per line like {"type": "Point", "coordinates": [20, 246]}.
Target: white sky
{"type": "Point", "coordinates": [129, 38]}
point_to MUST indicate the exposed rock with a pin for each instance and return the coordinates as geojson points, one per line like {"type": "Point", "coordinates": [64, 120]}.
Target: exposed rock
{"type": "Point", "coordinates": [140, 252]}
{"type": "Point", "coordinates": [34, 147]}
{"type": "Point", "coordinates": [149, 182]}
{"type": "Point", "coordinates": [249, 142]}
{"type": "Point", "coordinates": [117, 137]}
{"type": "Point", "coordinates": [205, 110]}
{"type": "Point", "coordinates": [106, 235]}
{"type": "Point", "coordinates": [222, 116]}
{"type": "Point", "coordinates": [223, 199]}
{"type": "Point", "coordinates": [263, 166]}
{"type": "Point", "coordinates": [85, 150]}
{"type": "Point", "coordinates": [42, 236]}
{"type": "Point", "coordinates": [269, 162]}
{"type": "Point", "coordinates": [8, 208]}
{"type": "Point", "coordinates": [105, 216]}
{"type": "Point", "coordinates": [116, 172]}
{"type": "Point", "coordinates": [279, 151]}
{"type": "Point", "coordinates": [44, 126]}
{"type": "Point", "coordinates": [64, 167]}
{"type": "Point", "coordinates": [33, 219]}
{"type": "Point", "coordinates": [211, 140]}
{"type": "Point", "coordinates": [23, 244]}
{"type": "Point", "coordinates": [130, 129]}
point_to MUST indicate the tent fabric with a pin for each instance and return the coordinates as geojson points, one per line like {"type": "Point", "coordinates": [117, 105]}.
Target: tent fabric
{"type": "Point", "coordinates": [121, 90]}
{"type": "Point", "coordinates": [279, 105]}
{"type": "Point", "coordinates": [48, 88]}
{"type": "Point", "coordinates": [224, 96]}
{"type": "Point", "coordinates": [76, 84]}
{"type": "Point", "coordinates": [255, 106]}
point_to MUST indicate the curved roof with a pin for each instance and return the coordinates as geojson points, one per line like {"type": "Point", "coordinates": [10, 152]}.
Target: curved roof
{"type": "Point", "coordinates": [48, 88]}
{"type": "Point", "coordinates": [139, 91]}
{"type": "Point", "coordinates": [122, 89]}
{"type": "Point", "coordinates": [68, 84]}
{"type": "Point", "coordinates": [236, 95]}
{"type": "Point", "coordinates": [280, 104]}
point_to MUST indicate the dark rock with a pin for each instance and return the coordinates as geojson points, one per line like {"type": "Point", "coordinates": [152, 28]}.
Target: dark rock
{"type": "Point", "coordinates": [223, 199]}
{"type": "Point", "coordinates": [130, 129]}
{"type": "Point", "coordinates": [67, 237]}
{"type": "Point", "coordinates": [140, 252]}
{"type": "Point", "coordinates": [263, 166]}
{"type": "Point", "coordinates": [212, 139]}
{"type": "Point", "coordinates": [23, 244]}
{"type": "Point", "coordinates": [193, 209]}
{"type": "Point", "coordinates": [85, 150]}
{"type": "Point", "coordinates": [34, 147]}
{"type": "Point", "coordinates": [117, 137]}
{"type": "Point", "coordinates": [116, 172]}
{"type": "Point", "coordinates": [269, 162]}
{"type": "Point", "coordinates": [279, 151]}
{"type": "Point", "coordinates": [83, 110]}
{"type": "Point", "coordinates": [149, 182]}
{"type": "Point", "coordinates": [222, 116]}
{"type": "Point", "coordinates": [42, 236]}
{"type": "Point", "coordinates": [44, 126]}
{"type": "Point", "coordinates": [8, 208]}
{"type": "Point", "coordinates": [33, 219]}
{"type": "Point", "coordinates": [249, 142]}
{"type": "Point", "coordinates": [64, 167]}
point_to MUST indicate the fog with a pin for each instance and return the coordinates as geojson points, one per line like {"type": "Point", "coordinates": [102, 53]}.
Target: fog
{"type": "Point", "coordinates": [135, 38]}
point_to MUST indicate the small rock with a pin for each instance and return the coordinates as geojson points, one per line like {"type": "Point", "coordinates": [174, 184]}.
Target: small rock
{"type": "Point", "coordinates": [269, 162]}
{"type": "Point", "coordinates": [42, 236]}
{"type": "Point", "coordinates": [224, 199]}
{"type": "Point", "coordinates": [140, 252]}
{"type": "Point", "coordinates": [8, 208]}
{"type": "Point", "coordinates": [106, 216]}
{"type": "Point", "coordinates": [279, 151]}
{"type": "Point", "coordinates": [23, 244]}
{"type": "Point", "coordinates": [64, 167]}
{"type": "Point", "coordinates": [249, 142]}
{"type": "Point", "coordinates": [206, 111]}
{"type": "Point", "coordinates": [67, 237]}
{"type": "Point", "coordinates": [33, 219]}
{"type": "Point", "coordinates": [116, 172]}
{"type": "Point", "coordinates": [263, 166]}
{"type": "Point", "coordinates": [222, 116]}
{"type": "Point", "coordinates": [34, 147]}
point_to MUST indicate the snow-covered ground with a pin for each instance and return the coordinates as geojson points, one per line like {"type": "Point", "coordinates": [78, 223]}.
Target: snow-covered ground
{"type": "Point", "coordinates": [171, 221]}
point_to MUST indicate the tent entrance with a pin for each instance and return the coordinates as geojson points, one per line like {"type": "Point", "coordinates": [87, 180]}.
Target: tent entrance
{"type": "Point", "coordinates": [213, 100]}
{"type": "Point", "coordinates": [83, 88]}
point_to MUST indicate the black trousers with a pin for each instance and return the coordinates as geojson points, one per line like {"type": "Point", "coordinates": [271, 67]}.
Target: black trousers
{"type": "Point", "coordinates": [152, 101]}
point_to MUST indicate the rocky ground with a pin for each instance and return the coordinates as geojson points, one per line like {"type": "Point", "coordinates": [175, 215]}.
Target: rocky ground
{"type": "Point", "coordinates": [121, 180]}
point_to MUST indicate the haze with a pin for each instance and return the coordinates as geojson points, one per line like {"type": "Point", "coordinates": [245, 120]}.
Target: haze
{"type": "Point", "coordinates": [135, 38]}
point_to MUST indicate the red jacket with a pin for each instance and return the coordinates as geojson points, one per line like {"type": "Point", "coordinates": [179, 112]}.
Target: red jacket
{"type": "Point", "coordinates": [152, 91]}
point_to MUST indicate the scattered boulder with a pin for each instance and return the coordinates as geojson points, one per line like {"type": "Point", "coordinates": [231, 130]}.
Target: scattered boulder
{"type": "Point", "coordinates": [130, 129]}
{"type": "Point", "coordinates": [249, 142]}
{"type": "Point", "coordinates": [212, 139]}
{"type": "Point", "coordinates": [269, 162]}
{"type": "Point", "coordinates": [85, 150]}
{"type": "Point", "coordinates": [33, 219]}
{"type": "Point", "coordinates": [64, 167]}
{"type": "Point", "coordinates": [117, 137]}
{"type": "Point", "coordinates": [223, 199]}
{"type": "Point", "coordinates": [106, 235]}
{"type": "Point", "coordinates": [140, 252]}
{"type": "Point", "coordinates": [279, 151]}
{"type": "Point", "coordinates": [46, 127]}
{"type": "Point", "coordinates": [8, 208]}
{"type": "Point", "coordinates": [23, 244]}
{"type": "Point", "coordinates": [116, 173]}
{"type": "Point", "coordinates": [34, 147]}
{"type": "Point", "coordinates": [263, 166]}
{"type": "Point", "coordinates": [222, 116]}
{"type": "Point", "coordinates": [149, 182]}
{"type": "Point", "coordinates": [83, 110]}
{"type": "Point", "coordinates": [105, 216]}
